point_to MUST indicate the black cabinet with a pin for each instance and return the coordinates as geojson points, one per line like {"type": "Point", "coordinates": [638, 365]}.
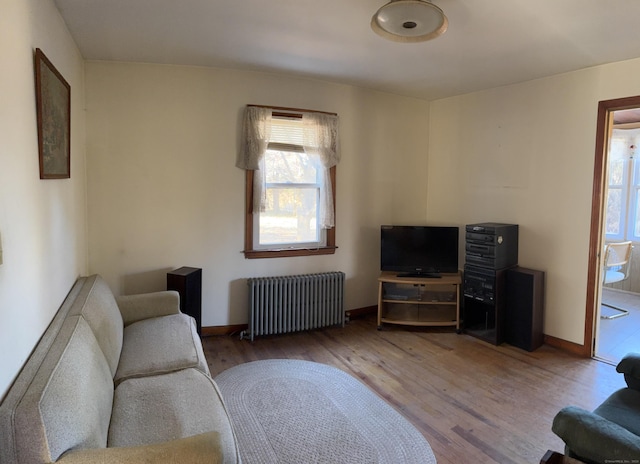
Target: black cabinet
{"type": "Point", "coordinates": [187, 281]}
{"type": "Point", "coordinates": [524, 308]}
{"type": "Point", "coordinates": [484, 303]}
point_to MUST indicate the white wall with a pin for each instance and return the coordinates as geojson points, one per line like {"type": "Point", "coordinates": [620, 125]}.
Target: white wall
{"type": "Point", "coordinates": [42, 222]}
{"type": "Point", "coordinates": [524, 154]}
{"type": "Point", "coordinates": [164, 192]}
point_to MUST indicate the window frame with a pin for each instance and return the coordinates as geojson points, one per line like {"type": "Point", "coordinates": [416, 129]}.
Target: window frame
{"type": "Point", "coordinates": [629, 197]}
{"type": "Point", "coordinates": [623, 188]}
{"type": "Point", "coordinates": [251, 253]}
{"type": "Point", "coordinates": [632, 201]}
{"type": "Point", "coordinates": [322, 241]}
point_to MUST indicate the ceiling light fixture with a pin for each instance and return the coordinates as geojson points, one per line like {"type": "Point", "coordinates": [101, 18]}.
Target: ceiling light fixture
{"type": "Point", "coordinates": [409, 21]}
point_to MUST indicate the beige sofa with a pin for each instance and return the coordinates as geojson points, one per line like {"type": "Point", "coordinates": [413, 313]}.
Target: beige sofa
{"type": "Point", "coordinates": [116, 380]}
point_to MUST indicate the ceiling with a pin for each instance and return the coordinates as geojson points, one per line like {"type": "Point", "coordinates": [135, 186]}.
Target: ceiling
{"type": "Point", "coordinates": [489, 43]}
{"type": "Point", "coordinates": [629, 116]}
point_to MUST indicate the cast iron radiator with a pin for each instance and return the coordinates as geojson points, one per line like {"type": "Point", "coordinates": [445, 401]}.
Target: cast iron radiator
{"type": "Point", "coordinates": [294, 303]}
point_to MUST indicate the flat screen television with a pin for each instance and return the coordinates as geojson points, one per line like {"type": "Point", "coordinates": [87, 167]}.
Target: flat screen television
{"type": "Point", "coordinates": [419, 251]}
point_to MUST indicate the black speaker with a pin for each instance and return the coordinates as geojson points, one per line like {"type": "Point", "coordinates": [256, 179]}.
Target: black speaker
{"type": "Point", "coordinates": [187, 281]}
{"type": "Point", "coordinates": [524, 308]}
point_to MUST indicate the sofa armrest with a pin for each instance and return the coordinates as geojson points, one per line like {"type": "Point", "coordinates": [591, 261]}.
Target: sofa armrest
{"type": "Point", "coordinates": [595, 438]}
{"type": "Point", "coordinates": [147, 305]}
{"type": "Point", "coordinates": [198, 449]}
{"type": "Point", "coordinates": [630, 367]}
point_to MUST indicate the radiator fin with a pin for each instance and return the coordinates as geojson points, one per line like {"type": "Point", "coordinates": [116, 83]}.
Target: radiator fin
{"type": "Point", "coordinates": [295, 303]}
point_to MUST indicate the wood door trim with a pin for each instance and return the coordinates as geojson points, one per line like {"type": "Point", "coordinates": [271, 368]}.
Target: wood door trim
{"type": "Point", "coordinates": [605, 110]}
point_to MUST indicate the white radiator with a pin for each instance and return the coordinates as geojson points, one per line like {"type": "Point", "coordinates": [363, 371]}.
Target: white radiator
{"type": "Point", "coordinates": [294, 303]}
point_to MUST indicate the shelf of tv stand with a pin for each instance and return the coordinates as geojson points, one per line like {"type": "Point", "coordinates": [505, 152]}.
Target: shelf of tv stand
{"type": "Point", "coordinates": [419, 301]}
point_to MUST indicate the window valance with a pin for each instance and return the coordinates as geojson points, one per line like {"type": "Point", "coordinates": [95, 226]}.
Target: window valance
{"type": "Point", "coordinates": [319, 139]}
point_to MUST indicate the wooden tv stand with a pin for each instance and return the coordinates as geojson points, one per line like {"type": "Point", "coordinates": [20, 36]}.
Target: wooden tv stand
{"type": "Point", "coordinates": [419, 301]}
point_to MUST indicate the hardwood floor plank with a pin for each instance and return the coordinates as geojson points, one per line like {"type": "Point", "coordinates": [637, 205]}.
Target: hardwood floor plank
{"type": "Point", "coordinates": [473, 402]}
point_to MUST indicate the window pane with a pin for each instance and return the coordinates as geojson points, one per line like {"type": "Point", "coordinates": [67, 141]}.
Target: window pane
{"type": "Point", "coordinates": [616, 171]}
{"type": "Point", "coordinates": [285, 166]}
{"type": "Point", "coordinates": [614, 209]}
{"type": "Point", "coordinates": [290, 216]}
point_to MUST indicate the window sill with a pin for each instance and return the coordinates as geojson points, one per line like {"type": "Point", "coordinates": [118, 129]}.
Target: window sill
{"type": "Point", "coordinates": [258, 254]}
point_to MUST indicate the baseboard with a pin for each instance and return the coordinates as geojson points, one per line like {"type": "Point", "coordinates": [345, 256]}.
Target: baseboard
{"type": "Point", "coordinates": [619, 290]}
{"type": "Point", "coordinates": [559, 343]}
{"type": "Point", "coordinates": [361, 312]}
{"type": "Point", "coordinates": [567, 346]}
{"type": "Point", "coordinates": [223, 330]}
{"type": "Point", "coordinates": [233, 329]}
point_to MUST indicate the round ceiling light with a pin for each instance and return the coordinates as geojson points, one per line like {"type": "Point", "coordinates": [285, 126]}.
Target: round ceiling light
{"type": "Point", "coordinates": [409, 21]}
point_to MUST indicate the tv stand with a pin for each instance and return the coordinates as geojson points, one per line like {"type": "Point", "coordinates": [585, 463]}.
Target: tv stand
{"type": "Point", "coordinates": [422, 275]}
{"type": "Point", "coordinates": [419, 301]}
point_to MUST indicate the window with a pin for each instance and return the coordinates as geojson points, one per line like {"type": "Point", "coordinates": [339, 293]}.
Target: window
{"type": "Point", "coordinates": [293, 191]}
{"type": "Point", "coordinates": [623, 194]}
{"type": "Point", "coordinates": [290, 190]}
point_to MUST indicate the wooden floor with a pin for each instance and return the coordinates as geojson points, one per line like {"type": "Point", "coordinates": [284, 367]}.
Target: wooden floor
{"type": "Point", "coordinates": [620, 335]}
{"type": "Point", "coordinates": [473, 402]}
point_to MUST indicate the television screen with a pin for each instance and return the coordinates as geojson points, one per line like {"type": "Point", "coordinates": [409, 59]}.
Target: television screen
{"type": "Point", "coordinates": [419, 250]}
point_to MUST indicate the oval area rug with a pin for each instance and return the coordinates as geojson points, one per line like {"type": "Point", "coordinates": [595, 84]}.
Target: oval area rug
{"type": "Point", "coordinates": [300, 412]}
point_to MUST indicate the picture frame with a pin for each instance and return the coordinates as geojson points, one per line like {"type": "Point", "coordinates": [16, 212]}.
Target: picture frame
{"type": "Point", "coordinates": [53, 107]}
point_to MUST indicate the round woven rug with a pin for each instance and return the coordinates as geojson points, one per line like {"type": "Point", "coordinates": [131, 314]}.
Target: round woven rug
{"type": "Point", "coordinates": [300, 412]}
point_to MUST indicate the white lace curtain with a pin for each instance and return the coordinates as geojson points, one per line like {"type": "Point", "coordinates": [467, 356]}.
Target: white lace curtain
{"type": "Point", "coordinates": [320, 139]}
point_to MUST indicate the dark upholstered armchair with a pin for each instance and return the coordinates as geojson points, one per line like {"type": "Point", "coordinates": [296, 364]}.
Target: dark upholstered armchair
{"type": "Point", "coordinates": [611, 433]}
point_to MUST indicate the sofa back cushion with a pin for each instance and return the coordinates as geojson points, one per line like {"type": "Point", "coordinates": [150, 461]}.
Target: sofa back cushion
{"type": "Point", "coordinates": [67, 402]}
{"type": "Point", "coordinates": [97, 305]}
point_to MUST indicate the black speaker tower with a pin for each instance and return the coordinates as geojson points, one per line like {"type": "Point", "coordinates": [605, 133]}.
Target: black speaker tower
{"type": "Point", "coordinates": [524, 308]}
{"type": "Point", "coordinates": [187, 281]}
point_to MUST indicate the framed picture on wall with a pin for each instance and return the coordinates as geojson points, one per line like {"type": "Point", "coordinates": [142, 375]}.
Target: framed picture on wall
{"type": "Point", "coordinates": [53, 106]}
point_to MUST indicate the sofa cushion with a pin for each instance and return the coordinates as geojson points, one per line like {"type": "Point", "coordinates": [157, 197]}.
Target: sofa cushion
{"type": "Point", "coordinates": [98, 306]}
{"type": "Point", "coordinates": [160, 345]}
{"type": "Point", "coordinates": [593, 438]}
{"type": "Point", "coordinates": [67, 404]}
{"type": "Point", "coordinates": [198, 449]}
{"type": "Point", "coordinates": [623, 408]}
{"type": "Point", "coordinates": [148, 410]}
{"type": "Point", "coordinates": [147, 305]}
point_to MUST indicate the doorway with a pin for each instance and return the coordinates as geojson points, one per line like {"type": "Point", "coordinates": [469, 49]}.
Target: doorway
{"type": "Point", "coordinates": [612, 332]}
